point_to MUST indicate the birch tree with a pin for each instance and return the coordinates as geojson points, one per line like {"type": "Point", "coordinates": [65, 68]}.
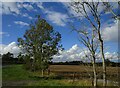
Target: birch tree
{"type": "Point", "coordinates": [89, 11]}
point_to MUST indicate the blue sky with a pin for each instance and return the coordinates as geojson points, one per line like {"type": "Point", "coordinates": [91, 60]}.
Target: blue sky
{"type": "Point", "coordinates": [16, 18]}
{"type": "Point", "coordinates": [16, 30]}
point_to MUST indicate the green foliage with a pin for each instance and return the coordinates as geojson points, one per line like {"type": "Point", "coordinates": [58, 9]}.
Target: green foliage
{"type": "Point", "coordinates": [28, 63]}
{"type": "Point", "coordinates": [40, 42]}
{"type": "Point", "coordinates": [20, 58]}
{"type": "Point", "coordinates": [8, 58]}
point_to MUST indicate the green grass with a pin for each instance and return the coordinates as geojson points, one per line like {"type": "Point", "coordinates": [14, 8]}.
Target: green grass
{"type": "Point", "coordinates": [15, 72]}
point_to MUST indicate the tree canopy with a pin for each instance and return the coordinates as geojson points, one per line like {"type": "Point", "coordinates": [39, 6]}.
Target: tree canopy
{"type": "Point", "coordinates": [40, 42]}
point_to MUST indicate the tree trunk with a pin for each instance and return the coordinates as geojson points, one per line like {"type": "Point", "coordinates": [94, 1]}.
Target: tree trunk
{"type": "Point", "coordinates": [94, 73]}
{"type": "Point", "coordinates": [103, 58]}
{"type": "Point", "coordinates": [73, 77]}
{"type": "Point", "coordinates": [104, 65]}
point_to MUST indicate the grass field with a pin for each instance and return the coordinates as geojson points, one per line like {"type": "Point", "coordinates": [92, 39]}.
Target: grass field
{"type": "Point", "coordinates": [16, 75]}
{"type": "Point", "coordinates": [84, 71]}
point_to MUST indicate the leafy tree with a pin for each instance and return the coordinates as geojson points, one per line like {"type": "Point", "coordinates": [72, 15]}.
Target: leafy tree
{"type": "Point", "coordinates": [40, 42]}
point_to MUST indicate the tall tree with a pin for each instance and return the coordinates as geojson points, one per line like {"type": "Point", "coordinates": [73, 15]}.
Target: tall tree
{"type": "Point", "coordinates": [89, 11]}
{"type": "Point", "coordinates": [40, 42]}
{"type": "Point", "coordinates": [86, 35]}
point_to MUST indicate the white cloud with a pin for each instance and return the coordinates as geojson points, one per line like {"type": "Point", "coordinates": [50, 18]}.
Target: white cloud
{"type": "Point", "coordinates": [14, 8]}
{"type": "Point", "coordinates": [12, 47]}
{"type": "Point", "coordinates": [40, 5]}
{"type": "Point", "coordinates": [21, 23]}
{"type": "Point", "coordinates": [111, 56]}
{"type": "Point", "coordinates": [110, 32]}
{"type": "Point", "coordinates": [4, 34]}
{"type": "Point", "coordinates": [26, 15]}
{"type": "Point", "coordinates": [26, 6]}
{"type": "Point", "coordinates": [30, 17]}
{"type": "Point", "coordinates": [10, 8]}
{"type": "Point", "coordinates": [57, 18]}
{"type": "Point", "coordinates": [74, 49]}
{"type": "Point", "coordinates": [9, 25]}
{"type": "Point", "coordinates": [75, 53]}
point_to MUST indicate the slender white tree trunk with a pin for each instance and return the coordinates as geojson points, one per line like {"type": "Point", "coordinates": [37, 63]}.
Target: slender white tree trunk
{"type": "Point", "coordinates": [104, 65]}
{"type": "Point", "coordinates": [94, 73]}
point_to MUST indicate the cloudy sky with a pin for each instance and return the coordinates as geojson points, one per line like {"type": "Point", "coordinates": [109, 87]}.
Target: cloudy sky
{"type": "Point", "coordinates": [16, 17]}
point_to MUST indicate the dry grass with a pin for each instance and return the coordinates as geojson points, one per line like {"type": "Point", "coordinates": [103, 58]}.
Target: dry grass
{"type": "Point", "coordinates": [79, 68]}
{"type": "Point", "coordinates": [83, 71]}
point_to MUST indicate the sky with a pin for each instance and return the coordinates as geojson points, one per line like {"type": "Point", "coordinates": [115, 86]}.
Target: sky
{"type": "Point", "coordinates": [16, 17]}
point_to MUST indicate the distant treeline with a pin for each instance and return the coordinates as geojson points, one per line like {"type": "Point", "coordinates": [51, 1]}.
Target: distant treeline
{"type": "Point", "coordinates": [108, 63]}
{"type": "Point", "coordinates": [8, 59]}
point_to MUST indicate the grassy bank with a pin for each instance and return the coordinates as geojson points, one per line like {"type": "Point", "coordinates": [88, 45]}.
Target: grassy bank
{"type": "Point", "coordinates": [15, 72]}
